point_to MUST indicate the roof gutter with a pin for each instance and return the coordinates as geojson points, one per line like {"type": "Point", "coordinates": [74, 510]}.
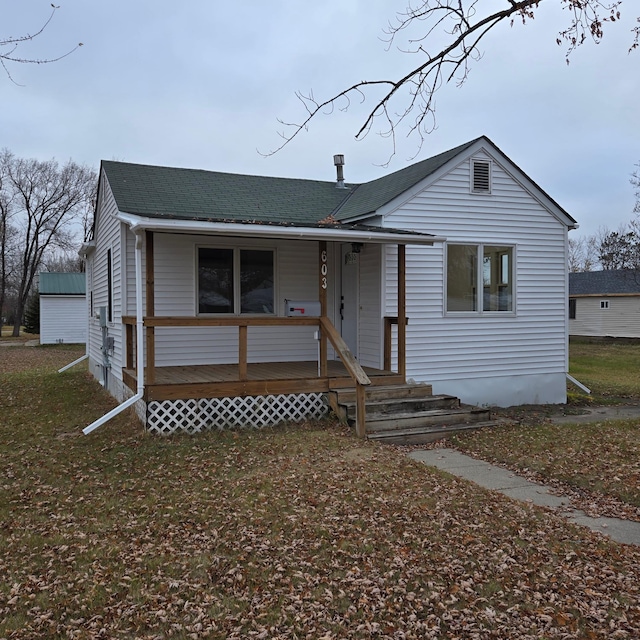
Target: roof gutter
{"type": "Point", "coordinates": [139, 223]}
{"type": "Point", "coordinates": [87, 248]}
{"type": "Point", "coordinates": [139, 347]}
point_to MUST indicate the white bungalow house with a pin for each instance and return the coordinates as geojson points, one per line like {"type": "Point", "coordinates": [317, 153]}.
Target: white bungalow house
{"type": "Point", "coordinates": [219, 297]}
{"type": "Point", "coordinates": [63, 308]}
{"type": "Point", "coordinates": [605, 303]}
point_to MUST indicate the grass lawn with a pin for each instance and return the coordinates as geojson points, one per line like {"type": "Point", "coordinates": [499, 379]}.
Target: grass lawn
{"type": "Point", "coordinates": [610, 369]}
{"type": "Point", "coordinates": [601, 458]}
{"type": "Point", "coordinates": [7, 336]}
{"type": "Point", "coordinates": [297, 532]}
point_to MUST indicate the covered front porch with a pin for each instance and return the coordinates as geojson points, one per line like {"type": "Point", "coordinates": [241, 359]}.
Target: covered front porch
{"type": "Point", "coordinates": [335, 367]}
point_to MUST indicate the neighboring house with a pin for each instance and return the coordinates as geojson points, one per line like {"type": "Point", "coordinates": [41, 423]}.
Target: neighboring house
{"type": "Point", "coordinates": [605, 303]}
{"type": "Point", "coordinates": [63, 308]}
{"type": "Point", "coordinates": [232, 278]}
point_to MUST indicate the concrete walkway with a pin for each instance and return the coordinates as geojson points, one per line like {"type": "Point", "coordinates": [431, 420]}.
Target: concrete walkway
{"type": "Point", "coordinates": [17, 343]}
{"type": "Point", "coordinates": [496, 478]}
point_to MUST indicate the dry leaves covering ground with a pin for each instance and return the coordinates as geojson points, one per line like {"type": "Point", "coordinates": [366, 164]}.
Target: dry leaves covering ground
{"type": "Point", "coordinates": [301, 532]}
{"type": "Point", "coordinates": [596, 464]}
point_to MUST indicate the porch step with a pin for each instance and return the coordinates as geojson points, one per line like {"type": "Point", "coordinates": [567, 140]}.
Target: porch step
{"type": "Point", "coordinates": [387, 392]}
{"type": "Point", "coordinates": [424, 435]}
{"type": "Point", "coordinates": [403, 406]}
{"type": "Point", "coordinates": [431, 418]}
{"type": "Point", "coordinates": [409, 413]}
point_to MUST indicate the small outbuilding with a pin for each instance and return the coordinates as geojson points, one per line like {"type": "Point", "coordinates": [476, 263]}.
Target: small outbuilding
{"type": "Point", "coordinates": [605, 303]}
{"type": "Point", "coordinates": [63, 308]}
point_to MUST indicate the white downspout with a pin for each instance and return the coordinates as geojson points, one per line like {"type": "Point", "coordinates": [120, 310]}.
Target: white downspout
{"type": "Point", "coordinates": [578, 384]}
{"type": "Point", "coordinates": [75, 362]}
{"type": "Point", "coordinates": [139, 347]}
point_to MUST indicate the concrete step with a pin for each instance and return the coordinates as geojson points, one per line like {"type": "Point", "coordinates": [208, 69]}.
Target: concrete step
{"type": "Point", "coordinates": [404, 405]}
{"type": "Point", "coordinates": [425, 434]}
{"type": "Point", "coordinates": [429, 418]}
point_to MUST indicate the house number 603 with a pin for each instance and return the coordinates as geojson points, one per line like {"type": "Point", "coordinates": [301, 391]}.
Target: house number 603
{"type": "Point", "coordinates": [324, 269]}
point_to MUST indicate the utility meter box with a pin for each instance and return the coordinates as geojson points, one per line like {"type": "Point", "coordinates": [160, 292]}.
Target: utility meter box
{"type": "Point", "coordinates": [302, 308]}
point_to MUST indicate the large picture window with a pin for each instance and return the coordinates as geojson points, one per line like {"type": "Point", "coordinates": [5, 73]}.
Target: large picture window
{"type": "Point", "coordinates": [235, 281]}
{"type": "Point", "coordinates": [479, 278]}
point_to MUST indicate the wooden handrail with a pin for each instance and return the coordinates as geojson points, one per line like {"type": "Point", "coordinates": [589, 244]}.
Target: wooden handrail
{"type": "Point", "coordinates": [354, 369]}
{"type": "Point", "coordinates": [352, 366]}
{"type": "Point", "coordinates": [230, 321]}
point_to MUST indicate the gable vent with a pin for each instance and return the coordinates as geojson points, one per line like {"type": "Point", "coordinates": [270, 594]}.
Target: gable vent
{"type": "Point", "coordinates": [481, 176]}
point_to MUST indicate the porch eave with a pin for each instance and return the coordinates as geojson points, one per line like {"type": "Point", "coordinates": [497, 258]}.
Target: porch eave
{"type": "Point", "coordinates": [258, 230]}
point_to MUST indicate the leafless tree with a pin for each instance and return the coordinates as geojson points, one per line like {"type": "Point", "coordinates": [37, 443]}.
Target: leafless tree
{"type": "Point", "coordinates": [47, 200]}
{"type": "Point", "coordinates": [583, 253]}
{"type": "Point", "coordinates": [63, 262]}
{"type": "Point", "coordinates": [409, 100]}
{"type": "Point", "coordinates": [635, 181]}
{"type": "Point", "coordinates": [10, 48]}
{"type": "Point", "coordinates": [7, 239]}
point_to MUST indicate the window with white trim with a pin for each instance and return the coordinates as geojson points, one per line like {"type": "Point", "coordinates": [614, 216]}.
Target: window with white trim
{"type": "Point", "coordinates": [235, 281]}
{"type": "Point", "coordinates": [479, 278]}
{"type": "Point", "coordinates": [604, 304]}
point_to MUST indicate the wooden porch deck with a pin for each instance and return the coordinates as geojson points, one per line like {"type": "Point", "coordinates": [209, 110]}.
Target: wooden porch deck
{"type": "Point", "coordinates": [263, 378]}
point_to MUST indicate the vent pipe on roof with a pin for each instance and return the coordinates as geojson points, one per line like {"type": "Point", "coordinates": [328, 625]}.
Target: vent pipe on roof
{"type": "Point", "coordinates": [338, 161]}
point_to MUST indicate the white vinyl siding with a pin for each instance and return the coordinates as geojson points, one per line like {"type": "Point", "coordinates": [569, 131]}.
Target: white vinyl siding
{"type": "Point", "coordinates": [175, 295]}
{"type": "Point", "coordinates": [63, 319]}
{"type": "Point", "coordinates": [130, 271]}
{"type": "Point", "coordinates": [620, 320]}
{"type": "Point", "coordinates": [108, 236]}
{"type": "Point", "coordinates": [450, 347]}
{"type": "Point", "coordinates": [370, 316]}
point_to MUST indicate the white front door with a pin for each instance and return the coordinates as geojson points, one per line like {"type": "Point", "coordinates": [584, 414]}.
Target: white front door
{"type": "Point", "coordinates": [349, 303]}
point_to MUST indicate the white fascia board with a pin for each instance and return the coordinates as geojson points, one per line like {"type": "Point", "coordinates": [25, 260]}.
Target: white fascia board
{"type": "Point", "coordinates": [237, 229]}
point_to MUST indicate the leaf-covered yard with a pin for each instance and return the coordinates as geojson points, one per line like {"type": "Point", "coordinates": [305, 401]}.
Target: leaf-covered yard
{"type": "Point", "coordinates": [301, 532]}
{"type": "Point", "coordinates": [597, 463]}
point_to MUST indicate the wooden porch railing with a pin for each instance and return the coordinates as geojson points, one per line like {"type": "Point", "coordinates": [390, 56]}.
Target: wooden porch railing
{"type": "Point", "coordinates": [353, 367]}
{"type": "Point", "coordinates": [389, 321]}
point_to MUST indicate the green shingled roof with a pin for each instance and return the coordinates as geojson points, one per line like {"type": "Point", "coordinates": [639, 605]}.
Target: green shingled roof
{"type": "Point", "coordinates": [370, 196]}
{"type": "Point", "coordinates": [209, 195]}
{"type": "Point", "coordinates": [165, 192]}
{"type": "Point", "coordinates": [62, 284]}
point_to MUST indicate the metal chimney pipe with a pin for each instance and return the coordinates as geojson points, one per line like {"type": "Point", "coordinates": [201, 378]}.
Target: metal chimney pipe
{"type": "Point", "coordinates": [338, 161]}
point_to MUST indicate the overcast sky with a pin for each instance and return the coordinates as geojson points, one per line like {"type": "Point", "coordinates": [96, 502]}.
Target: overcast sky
{"type": "Point", "coordinates": [202, 84]}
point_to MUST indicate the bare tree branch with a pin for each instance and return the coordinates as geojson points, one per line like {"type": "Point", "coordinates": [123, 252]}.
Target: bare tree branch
{"type": "Point", "coordinates": [12, 43]}
{"type": "Point", "coordinates": [410, 99]}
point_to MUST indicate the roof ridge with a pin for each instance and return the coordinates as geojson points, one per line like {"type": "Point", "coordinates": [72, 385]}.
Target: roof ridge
{"type": "Point", "coordinates": [212, 171]}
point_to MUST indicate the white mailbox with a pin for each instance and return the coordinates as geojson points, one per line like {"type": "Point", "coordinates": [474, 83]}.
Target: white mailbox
{"type": "Point", "coordinates": [301, 307]}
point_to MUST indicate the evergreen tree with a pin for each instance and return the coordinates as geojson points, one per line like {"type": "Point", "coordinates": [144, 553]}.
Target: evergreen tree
{"type": "Point", "coordinates": [32, 313]}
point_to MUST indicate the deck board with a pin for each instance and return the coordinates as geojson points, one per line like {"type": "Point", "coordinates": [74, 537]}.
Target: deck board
{"type": "Point", "coordinates": [201, 381]}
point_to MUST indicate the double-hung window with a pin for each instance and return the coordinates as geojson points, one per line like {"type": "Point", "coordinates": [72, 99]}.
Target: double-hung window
{"type": "Point", "coordinates": [235, 281]}
{"type": "Point", "coordinates": [479, 278]}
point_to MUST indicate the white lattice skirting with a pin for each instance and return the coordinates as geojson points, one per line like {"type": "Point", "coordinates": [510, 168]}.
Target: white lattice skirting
{"type": "Point", "coordinates": [192, 416]}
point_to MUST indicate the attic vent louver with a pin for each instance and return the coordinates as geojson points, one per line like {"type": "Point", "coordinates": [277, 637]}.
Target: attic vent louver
{"type": "Point", "coordinates": [481, 176]}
